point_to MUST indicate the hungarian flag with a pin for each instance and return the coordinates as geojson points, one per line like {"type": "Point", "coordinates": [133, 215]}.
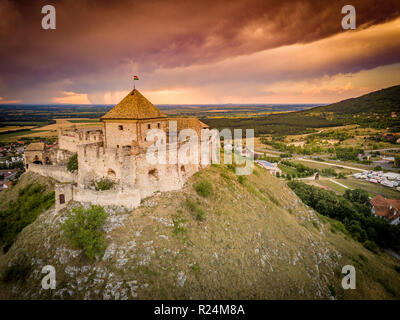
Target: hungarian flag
{"type": "Point", "coordinates": [135, 78]}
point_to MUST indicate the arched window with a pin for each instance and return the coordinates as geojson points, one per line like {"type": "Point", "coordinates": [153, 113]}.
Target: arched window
{"type": "Point", "coordinates": [111, 173]}
{"type": "Point", "coordinates": [183, 168]}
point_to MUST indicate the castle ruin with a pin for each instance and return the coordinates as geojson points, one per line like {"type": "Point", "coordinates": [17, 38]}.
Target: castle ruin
{"type": "Point", "coordinates": [117, 153]}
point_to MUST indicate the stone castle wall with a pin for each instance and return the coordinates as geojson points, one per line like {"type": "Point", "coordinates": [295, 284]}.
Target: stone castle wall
{"type": "Point", "coordinates": [134, 176]}
{"type": "Point", "coordinates": [119, 134]}
{"type": "Point", "coordinates": [68, 142]}
{"type": "Point", "coordinates": [129, 200]}
{"type": "Point", "coordinates": [59, 173]}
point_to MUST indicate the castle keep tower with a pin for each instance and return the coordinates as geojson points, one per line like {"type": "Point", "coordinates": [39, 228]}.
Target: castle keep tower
{"type": "Point", "coordinates": [128, 122]}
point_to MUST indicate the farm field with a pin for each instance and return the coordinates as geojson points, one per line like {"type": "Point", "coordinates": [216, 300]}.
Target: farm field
{"type": "Point", "coordinates": [321, 166]}
{"type": "Point", "coordinates": [332, 186]}
{"type": "Point", "coordinates": [372, 188]}
{"type": "Point", "coordinates": [42, 130]}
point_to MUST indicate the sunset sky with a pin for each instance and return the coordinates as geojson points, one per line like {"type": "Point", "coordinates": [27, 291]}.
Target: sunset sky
{"type": "Point", "coordinates": [197, 51]}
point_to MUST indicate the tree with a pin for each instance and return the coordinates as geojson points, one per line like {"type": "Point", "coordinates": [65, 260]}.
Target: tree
{"type": "Point", "coordinates": [397, 161]}
{"type": "Point", "coordinates": [72, 164]}
{"type": "Point", "coordinates": [85, 229]}
{"type": "Point", "coordinates": [357, 195]}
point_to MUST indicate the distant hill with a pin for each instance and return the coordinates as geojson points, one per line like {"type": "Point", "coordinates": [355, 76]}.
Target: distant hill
{"type": "Point", "coordinates": [381, 101]}
{"type": "Point", "coordinates": [378, 109]}
{"type": "Point", "coordinates": [371, 110]}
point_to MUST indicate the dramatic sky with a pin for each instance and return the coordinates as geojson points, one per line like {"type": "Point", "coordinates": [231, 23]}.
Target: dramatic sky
{"type": "Point", "coordinates": [197, 52]}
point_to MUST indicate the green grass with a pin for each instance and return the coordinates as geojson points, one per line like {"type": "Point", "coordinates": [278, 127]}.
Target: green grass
{"type": "Point", "coordinates": [19, 133]}
{"type": "Point", "coordinates": [321, 166]}
{"type": "Point", "coordinates": [333, 186]}
{"type": "Point", "coordinates": [287, 169]}
{"type": "Point", "coordinates": [23, 123]}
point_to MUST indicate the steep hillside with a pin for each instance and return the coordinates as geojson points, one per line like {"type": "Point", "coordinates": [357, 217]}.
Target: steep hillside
{"type": "Point", "coordinates": [251, 238]}
{"type": "Point", "coordinates": [11, 194]}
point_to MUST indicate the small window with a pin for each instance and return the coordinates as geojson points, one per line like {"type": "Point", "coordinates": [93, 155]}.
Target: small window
{"type": "Point", "coordinates": [153, 173]}
{"type": "Point", "coordinates": [158, 125]}
{"type": "Point", "coordinates": [149, 126]}
{"type": "Point", "coordinates": [120, 127]}
{"type": "Point", "coordinates": [62, 199]}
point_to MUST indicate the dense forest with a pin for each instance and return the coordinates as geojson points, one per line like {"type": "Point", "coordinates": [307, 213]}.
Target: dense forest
{"type": "Point", "coordinates": [353, 211]}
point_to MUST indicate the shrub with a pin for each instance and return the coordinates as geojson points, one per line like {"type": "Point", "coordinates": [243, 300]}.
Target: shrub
{"type": "Point", "coordinates": [332, 290]}
{"type": "Point", "coordinates": [16, 272]}
{"type": "Point", "coordinates": [195, 267]}
{"type": "Point", "coordinates": [200, 214]}
{"type": "Point", "coordinates": [177, 220]}
{"type": "Point", "coordinates": [357, 195]}
{"type": "Point", "coordinates": [103, 184]}
{"type": "Point", "coordinates": [371, 246]}
{"type": "Point", "coordinates": [338, 226]}
{"type": "Point", "coordinates": [397, 161]}
{"type": "Point", "coordinates": [72, 164]}
{"type": "Point", "coordinates": [191, 205]}
{"type": "Point", "coordinates": [377, 168]}
{"type": "Point", "coordinates": [241, 179]}
{"type": "Point", "coordinates": [328, 172]}
{"type": "Point", "coordinates": [315, 224]}
{"type": "Point", "coordinates": [285, 155]}
{"type": "Point", "coordinates": [84, 229]}
{"type": "Point", "coordinates": [203, 188]}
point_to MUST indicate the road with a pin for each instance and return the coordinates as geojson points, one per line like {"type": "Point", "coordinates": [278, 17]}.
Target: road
{"type": "Point", "coordinates": [338, 183]}
{"type": "Point", "coordinates": [392, 253]}
{"type": "Point", "coordinates": [388, 149]}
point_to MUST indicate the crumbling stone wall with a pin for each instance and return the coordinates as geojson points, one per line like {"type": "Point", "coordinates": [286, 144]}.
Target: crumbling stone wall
{"type": "Point", "coordinates": [59, 173]}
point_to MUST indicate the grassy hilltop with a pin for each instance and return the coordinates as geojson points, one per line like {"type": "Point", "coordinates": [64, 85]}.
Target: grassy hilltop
{"type": "Point", "coordinates": [249, 238]}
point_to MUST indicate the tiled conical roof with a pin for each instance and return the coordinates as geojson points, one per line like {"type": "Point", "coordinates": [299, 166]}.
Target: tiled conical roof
{"type": "Point", "coordinates": [134, 106]}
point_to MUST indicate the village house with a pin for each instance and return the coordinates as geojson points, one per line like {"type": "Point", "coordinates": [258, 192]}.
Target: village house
{"type": "Point", "coordinates": [271, 167]}
{"type": "Point", "coordinates": [388, 209]}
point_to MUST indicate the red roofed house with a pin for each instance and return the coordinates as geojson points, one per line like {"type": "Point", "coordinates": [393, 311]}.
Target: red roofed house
{"type": "Point", "coordinates": [388, 209]}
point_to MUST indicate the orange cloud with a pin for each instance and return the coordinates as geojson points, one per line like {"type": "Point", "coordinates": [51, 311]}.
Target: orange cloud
{"type": "Point", "coordinates": [2, 101]}
{"type": "Point", "coordinates": [73, 98]}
